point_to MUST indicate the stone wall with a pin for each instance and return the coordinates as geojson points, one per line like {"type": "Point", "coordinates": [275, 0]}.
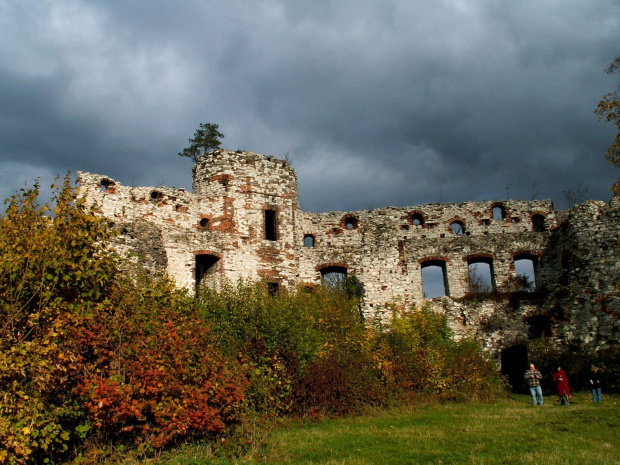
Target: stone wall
{"type": "Point", "coordinates": [243, 221]}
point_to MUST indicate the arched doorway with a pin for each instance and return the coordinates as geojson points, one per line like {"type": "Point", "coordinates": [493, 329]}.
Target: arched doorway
{"type": "Point", "coordinates": [514, 364]}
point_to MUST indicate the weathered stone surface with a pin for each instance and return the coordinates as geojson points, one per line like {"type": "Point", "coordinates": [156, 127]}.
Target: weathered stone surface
{"type": "Point", "coordinates": [243, 221]}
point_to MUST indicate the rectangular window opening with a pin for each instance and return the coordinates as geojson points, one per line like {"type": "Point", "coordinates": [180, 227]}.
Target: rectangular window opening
{"type": "Point", "coordinates": [270, 225]}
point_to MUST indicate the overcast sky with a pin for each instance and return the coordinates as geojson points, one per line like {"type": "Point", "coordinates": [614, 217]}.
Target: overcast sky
{"type": "Point", "coordinates": [395, 102]}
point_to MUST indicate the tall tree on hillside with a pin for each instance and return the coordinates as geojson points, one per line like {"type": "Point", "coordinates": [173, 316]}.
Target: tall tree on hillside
{"type": "Point", "coordinates": [206, 139]}
{"type": "Point", "coordinates": [608, 109]}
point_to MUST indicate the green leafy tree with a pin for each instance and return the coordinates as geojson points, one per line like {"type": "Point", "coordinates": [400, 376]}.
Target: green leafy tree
{"type": "Point", "coordinates": [206, 139]}
{"type": "Point", "coordinates": [608, 110]}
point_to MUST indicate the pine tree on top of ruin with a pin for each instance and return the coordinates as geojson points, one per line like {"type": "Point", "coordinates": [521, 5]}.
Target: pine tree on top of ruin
{"type": "Point", "coordinates": [206, 139]}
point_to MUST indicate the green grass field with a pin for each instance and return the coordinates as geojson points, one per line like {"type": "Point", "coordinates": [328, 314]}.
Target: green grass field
{"type": "Point", "coordinates": [506, 432]}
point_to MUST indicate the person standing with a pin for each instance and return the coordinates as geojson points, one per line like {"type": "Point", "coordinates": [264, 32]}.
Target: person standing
{"type": "Point", "coordinates": [595, 382]}
{"type": "Point", "coordinates": [561, 382]}
{"type": "Point", "coordinates": [533, 377]}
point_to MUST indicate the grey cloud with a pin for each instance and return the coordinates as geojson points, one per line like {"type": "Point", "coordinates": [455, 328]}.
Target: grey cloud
{"type": "Point", "coordinates": [379, 103]}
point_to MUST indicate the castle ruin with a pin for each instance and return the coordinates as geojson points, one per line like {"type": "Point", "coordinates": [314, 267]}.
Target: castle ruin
{"type": "Point", "coordinates": [243, 221]}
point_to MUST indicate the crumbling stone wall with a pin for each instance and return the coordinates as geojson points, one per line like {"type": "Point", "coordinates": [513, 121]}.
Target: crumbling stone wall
{"type": "Point", "coordinates": [577, 295]}
{"type": "Point", "coordinates": [243, 221]}
{"type": "Point", "coordinates": [386, 250]}
{"type": "Point", "coordinates": [583, 268]}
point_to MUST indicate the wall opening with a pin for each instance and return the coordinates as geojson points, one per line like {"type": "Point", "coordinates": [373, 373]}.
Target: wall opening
{"type": "Point", "coordinates": [273, 289]}
{"type": "Point", "coordinates": [350, 222]}
{"type": "Point", "coordinates": [156, 197]}
{"type": "Point", "coordinates": [481, 275]}
{"type": "Point", "coordinates": [525, 270]}
{"type": "Point", "coordinates": [107, 185]}
{"type": "Point", "coordinates": [458, 228]}
{"type": "Point", "coordinates": [435, 279]}
{"type": "Point", "coordinates": [333, 276]}
{"type": "Point", "coordinates": [538, 326]}
{"type": "Point", "coordinates": [207, 272]}
{"type": "Point", "coordinates": [514, 363]}
{"type": "Point", "coordinates": [538, 223]}
{"type": "Point", "coordinates": [204, 224]}
{"type": "Point", "coordinates": [270, 225]}
{"type": "Point", "coordinates": [499, 212]}
{"type": "Point", "coordinates": [417, 219]}
{"type": "Point", "coordinates": [309, 240]}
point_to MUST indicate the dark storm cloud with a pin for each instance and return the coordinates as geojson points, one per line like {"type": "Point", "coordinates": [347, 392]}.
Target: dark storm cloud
{"type": "Point", "coordinates": [379, 103]}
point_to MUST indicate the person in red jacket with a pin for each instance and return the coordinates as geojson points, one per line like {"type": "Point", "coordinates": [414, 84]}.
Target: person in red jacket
{"type": "Point", "coordinates": [561, 383]}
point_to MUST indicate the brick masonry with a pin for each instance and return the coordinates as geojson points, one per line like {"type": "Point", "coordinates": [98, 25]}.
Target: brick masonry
{"type": "Point", "coordinates": [243, 221]}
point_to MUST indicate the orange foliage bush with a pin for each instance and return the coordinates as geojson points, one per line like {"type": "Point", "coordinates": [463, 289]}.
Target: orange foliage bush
{"type": "Point", "coordinates": [155, 375]}
{"type": "Point", "coordinates": [86, 351]}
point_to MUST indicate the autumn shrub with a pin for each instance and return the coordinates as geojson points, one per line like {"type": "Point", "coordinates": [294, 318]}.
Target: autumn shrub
{"type": "Point", "coordinates": [343, 376]}
{"type": "Point", "coordinates": [419, 354]}
{"type": "Point", "coordinates": [471, 376]}
{"type": "Point", "coordinates": [155, 376]}
{"type": "Point", "coordinates": [341, 379]}
{"type": "Point", "coordinates": [281, 338]}
{"type": "Point", "coordinates": [52, 262]}
{"type": "Point", "coordinates": [88, 353]}
{"type": "Point", "coordinates": [311, 352]}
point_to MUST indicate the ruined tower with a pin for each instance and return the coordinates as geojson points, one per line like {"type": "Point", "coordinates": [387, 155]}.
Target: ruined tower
{"type": "Point", "coordinates": [252, 201]}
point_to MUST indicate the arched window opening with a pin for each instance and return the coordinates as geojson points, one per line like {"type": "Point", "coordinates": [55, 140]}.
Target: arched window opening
{"type": "Point", "coordinates": [205, 224]}
{"type": "Point", "coordinates": [333, 276]}
{"type": "Point", "coordinates": [207, 272]}
{"type": "Point", "coordinates": [525, 270]}
{"type": "Point", "coordinates": [458, 228]}
{"type": "Point", "coordinates": [350, 222]}
{"type": "Point", "coordinates": [156, 197]}
{"type": "Point", "coordinates": [417, 219]}
{"type": "Point", "coordinates": [434, 279]}
{"type": "Point", "coordinates": [538, 223]}
{"type": "Point", "coordinates": [481, 279]}
{"type": "Point", "coordinates": [309, 240]}
{"type": "Point", "coordinates": [499, 212]}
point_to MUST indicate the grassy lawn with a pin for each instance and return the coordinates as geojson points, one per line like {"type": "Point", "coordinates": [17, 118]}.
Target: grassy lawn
{"type": "Point", "coordinates": [507, 432]}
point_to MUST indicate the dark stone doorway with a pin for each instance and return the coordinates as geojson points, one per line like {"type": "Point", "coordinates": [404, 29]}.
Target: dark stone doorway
{"type": "Point", "coordinates": [514, 364]}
